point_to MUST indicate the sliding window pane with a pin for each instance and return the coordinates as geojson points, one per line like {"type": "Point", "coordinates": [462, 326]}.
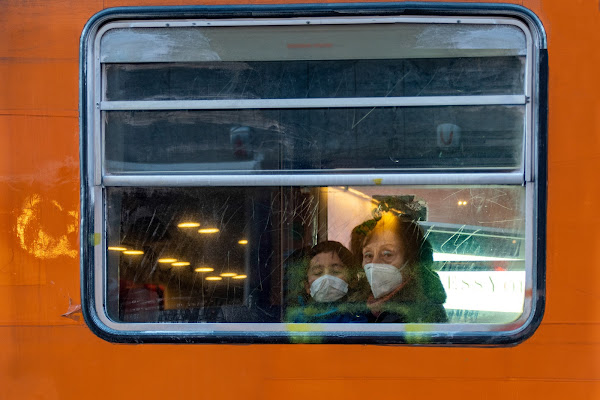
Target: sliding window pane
{"type": "Point", "coordinates": [316, 79]}
{"type": "Point", "coordinates": [392, 138]}
{"type": "Point", "coordinates": [231, 254]}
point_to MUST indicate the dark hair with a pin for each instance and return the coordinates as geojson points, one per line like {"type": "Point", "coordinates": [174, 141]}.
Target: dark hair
{"type": "Point", "coordinates": [337, 248]}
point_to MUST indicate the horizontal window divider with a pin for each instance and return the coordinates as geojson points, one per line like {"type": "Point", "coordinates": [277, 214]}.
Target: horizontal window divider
{"type": "Point", "coordinates": [407, 179]}
{"type": "Point", "coordinates": [346, 102]}
{"type": "Point", "coordinates": [287, 329]}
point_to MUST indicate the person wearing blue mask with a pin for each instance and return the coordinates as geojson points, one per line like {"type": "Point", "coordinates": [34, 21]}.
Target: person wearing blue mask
{"type": "Point", "coordinates": [397, 260]}
{"type": "Point", "coordinates": [328, 288]}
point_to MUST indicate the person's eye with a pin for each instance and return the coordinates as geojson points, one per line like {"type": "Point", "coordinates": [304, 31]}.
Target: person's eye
{"type": "Point", "coordinates": [338, 270]}
{"type": "Point", "coordinates": [387, 254]}
{"type": "Point", "coordinates": [367, 255]}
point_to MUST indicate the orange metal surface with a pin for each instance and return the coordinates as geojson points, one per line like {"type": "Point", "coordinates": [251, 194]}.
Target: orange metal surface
{"type": "Point", "coordinates": [47, 351]}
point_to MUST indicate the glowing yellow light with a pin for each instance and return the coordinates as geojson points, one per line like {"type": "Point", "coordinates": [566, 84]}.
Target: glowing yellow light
{"type": "Point", "coordinates": [243, 241]}
{"type": "Point", "coordinates": [188, 225]}
{"type": "Point", "coordinates": [208, 230]}
{"type": "Point", "coordinates": [356, 193]}
{"type": "Point", "coordinates": [133, 252]}
{"type": "Point", "coordinates": [213, 278]}
{"type": "Point", "coordinates": [180, 264]}
{"type": "Point", "coordinates": [228, 274]}
{"type": "Point", "coordinates": [167, 260]}
{"type": "Point", "coordinates": [240, 277]}
{"type": "Point", "coordinates": [117, 248]}
{"type": "Point", "coordinates": [204, 269]}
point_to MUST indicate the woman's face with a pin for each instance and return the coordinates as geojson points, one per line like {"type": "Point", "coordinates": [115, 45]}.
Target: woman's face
{"type": "Point", "coordinates": [383, 247]}
{"type": "Point", "coordinates": [326, 264]}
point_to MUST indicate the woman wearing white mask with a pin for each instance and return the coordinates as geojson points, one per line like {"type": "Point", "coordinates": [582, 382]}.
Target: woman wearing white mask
{"type": "Point", "coordinates": [396, 259]}
{"type": "Point", "coordinates": [325, 288]}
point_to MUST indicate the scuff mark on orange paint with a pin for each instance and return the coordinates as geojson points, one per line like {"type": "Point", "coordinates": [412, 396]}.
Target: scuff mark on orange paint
{"type": "Point", "coordinates": [37, 241]}
{"type": "Point", "coordinates": [73, 312]}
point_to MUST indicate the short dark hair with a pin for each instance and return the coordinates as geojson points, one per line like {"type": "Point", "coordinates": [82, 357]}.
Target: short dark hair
{"type": "Point", "coordinates": [330, 246]}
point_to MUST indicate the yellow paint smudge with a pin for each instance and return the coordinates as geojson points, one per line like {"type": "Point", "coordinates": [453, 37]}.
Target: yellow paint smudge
{"type": "Point", "coordinates": [34, 239]}
{"type": "Point", "coordinates": [304, 327]}
{"type": "Point", "coordinates": [71, 228]}
{"type": "Point", "coordinates": [415, 333]}
{"type": "Point", "coordinates": [57, 205]}
{"type": "Point", "coordinates": [300, 333]}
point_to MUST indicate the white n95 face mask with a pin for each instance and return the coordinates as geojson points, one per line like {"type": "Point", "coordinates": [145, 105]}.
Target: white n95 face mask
{"type": "Point", "coordinates": [328, 288]}
{"type": "Point", "coordinates": [383, 278]}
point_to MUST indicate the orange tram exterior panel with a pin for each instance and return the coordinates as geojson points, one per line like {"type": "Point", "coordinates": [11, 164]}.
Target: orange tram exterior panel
{"type": "Point", "coordinates": [48, 352]}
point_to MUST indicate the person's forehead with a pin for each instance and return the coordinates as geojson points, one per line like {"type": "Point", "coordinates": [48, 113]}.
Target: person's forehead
{"type": "Point", "coordinates": [325, 257]}
{"type": "Point", "coordinates": [382, 238]}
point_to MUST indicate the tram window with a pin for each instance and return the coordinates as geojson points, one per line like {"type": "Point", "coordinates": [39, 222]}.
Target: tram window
{"type": "Point", "coordinates": [221, 254]}
{"type": "Point", "coordinates": [222, 154]}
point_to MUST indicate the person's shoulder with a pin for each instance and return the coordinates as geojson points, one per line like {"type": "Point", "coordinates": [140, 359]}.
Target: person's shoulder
{"type": "Point", "coordinates": [432, 285]}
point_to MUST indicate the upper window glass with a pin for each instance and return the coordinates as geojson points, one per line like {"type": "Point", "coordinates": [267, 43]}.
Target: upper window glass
{"type": "Point", "coordinates": [365, 174]}
{"type": "Point", "coordinates": [397, 138]}
{"type": "Point", "coordinates": [291, 97]}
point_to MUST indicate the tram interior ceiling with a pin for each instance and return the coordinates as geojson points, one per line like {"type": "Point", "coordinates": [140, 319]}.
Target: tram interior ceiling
{"type": "Point", "coordinates": [219, 153]}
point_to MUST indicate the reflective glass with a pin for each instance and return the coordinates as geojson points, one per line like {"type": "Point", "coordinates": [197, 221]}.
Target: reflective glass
{"type": "Point", "coordinates": [485, 137]}
{"type": "Point", "coordinates": [231, 254]}
{"type": "Point", "coordinates": [307, 40]}
{"type": "Point", "coordinates": [316, 79]}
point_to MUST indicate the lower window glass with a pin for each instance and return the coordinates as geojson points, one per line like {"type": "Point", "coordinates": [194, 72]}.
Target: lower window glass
{"type": "Point", "coordinates": [247, 254]}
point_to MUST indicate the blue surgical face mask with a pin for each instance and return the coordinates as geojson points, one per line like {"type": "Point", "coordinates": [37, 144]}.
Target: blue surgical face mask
{"type": "Point", "coordinates": [328, 288]}
{"type": "Point", "coordinates": [383, 278]}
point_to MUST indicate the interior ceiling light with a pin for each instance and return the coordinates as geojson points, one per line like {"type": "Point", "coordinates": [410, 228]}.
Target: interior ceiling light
{"type": "Point", "coordinates": [228, 274]}
{"type": "Point", "coordinates": [188, 225]}
{"type": "Point", "coordinates": [240, 277]}
{"type": "Point", "coordinates": [133, 252]}
{"type": "Point", "coordinates": [208, 230]}
{"type": "Point", "coordinates": [180, 264]}
{"type": "Point", "coordinates": [167, 260]}
{"type": "Point", "coordinates": [204, 269]}
{"type": "Point", "coordinates": [243, 241]}
{"type": "Point", "coordinates": [117, 248]}
{"type": "Point", "coordinates": [213, 278]}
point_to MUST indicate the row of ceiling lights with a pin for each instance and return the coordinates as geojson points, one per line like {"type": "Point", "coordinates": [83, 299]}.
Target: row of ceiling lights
{"type": "Point", "coordinates": [188, 225]}
{"type": "Point", "coordinates": [176, 263]}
